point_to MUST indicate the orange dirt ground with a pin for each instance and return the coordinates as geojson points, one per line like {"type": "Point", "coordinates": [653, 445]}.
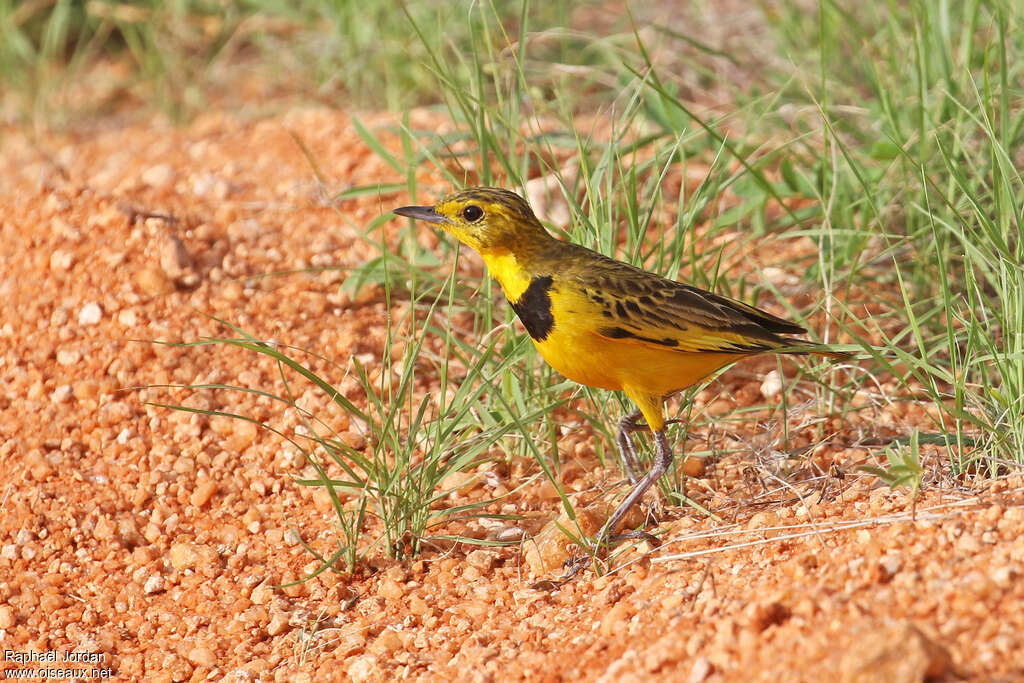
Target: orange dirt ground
{"type": "Point", "coordinates": [155, 540]}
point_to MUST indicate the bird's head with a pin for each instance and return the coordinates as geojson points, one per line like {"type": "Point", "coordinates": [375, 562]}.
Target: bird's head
{"type": "Point", "coordinates": [486, 219]}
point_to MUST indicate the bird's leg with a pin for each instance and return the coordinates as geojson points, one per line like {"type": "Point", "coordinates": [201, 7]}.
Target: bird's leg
{"type": "Point", "coordinates": [627, 451]}
{"type": "Point", "coordinates": [662, 461]}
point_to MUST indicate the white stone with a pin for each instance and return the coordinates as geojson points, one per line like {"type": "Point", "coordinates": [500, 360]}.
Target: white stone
{"type": "Point", "coordinates": [771, 385]}
{"type": "Point", "coordinates": [158, 176]}
{"type": "Point", "coordinates": [68, 357]}
{"type": "Point", "coordinates": [90, 314]}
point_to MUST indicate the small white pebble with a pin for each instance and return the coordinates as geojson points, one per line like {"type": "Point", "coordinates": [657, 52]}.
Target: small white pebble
{"type": "Point", "coordinates": [262, 593]}
{"type": "Point", "coordinates": [62, 393]}
{"type": "Point", "coordinates": [67, 357]}
{"type": "Point", "coordinates": [61, 260]}
{"type": "Point", "coordinates": [771, 385]}
{"type": "Point", "coordinates": [90, 314]}
{"type": "Point", "coordinates": [363, 668]}
{"type": "Point", "coordinates": [890, 564]}
{"type": "Point", "coordinates": [779, 277]}
{"type": "Point", "coordinates": [203, 656]}
{"type": "Point", "coordinates": [1003, 576]}
{"type": "Point", "coordinates": [158, 176]}
{"type": "Point", "coordinates": [702, 668]}
{"type": "Point", "coordinates": [127, 318]}
{"type": "Point", "coordinates": [203, 185]}
{"type": "Point", "coordinates": [154, 584]}
{"type": "Point", "coordinates": [510, 534]}
{"type": "Point", "coordinates": [174, 256]}
{"type": "Point", "coordinates": [210, 185]}
{"type": "Point", "coordinates": [278, 623]}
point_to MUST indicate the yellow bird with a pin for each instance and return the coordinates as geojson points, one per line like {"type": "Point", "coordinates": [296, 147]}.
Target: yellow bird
{"type": "Point", "coordinates": [605, 323]}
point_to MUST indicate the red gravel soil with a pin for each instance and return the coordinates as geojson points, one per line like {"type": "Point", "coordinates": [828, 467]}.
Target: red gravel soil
{"type": "Point", "coordinates": [151, 544]}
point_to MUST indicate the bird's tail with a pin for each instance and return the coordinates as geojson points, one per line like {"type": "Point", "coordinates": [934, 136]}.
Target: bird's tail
{"type": "Point", "coordinates": [836, 352]}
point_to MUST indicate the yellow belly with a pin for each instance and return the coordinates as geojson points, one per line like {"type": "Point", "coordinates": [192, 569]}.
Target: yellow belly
{"type": "Point", "coordinates": [616, 364]}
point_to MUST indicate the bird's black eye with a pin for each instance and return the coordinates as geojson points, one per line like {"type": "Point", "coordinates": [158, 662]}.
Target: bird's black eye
{"type": "Point", "coordinates": [472, 213]}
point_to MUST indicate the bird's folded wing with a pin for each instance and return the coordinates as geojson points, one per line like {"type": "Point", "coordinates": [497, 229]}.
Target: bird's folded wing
{"type": "Point", "coordinates": [632, 304]}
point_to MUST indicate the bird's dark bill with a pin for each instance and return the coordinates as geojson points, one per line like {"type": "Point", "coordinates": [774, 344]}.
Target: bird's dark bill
{"type": "Point", "coordinates": [422, 213]}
